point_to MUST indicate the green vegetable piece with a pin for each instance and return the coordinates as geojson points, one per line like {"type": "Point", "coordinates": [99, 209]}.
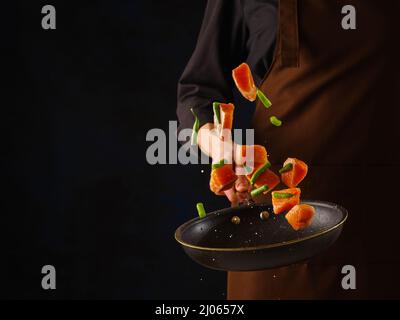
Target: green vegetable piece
{"type": "Point", "coordinates": [196, 127]}
{"type": "Point", "coordinates": [258, 191]}
{"type": "Point", "coordinates": [286, 168]}
{"type": "Point", "coordinates": [219, 164]}
{"type": "Point", "coordinates": [200, 209]}
{"type": "Point", "coordinates": [258, 172]}
{"type": "Point", "coordinates": [275, 121]}
{"type": "Point", "coordinates": [217, 111]}
{"type": "Point", "coordinates": [265, 101]}
{"type": "Point", "coordinates": [282, 195]}
{"type": "Point", "coordinates": [247, 169]}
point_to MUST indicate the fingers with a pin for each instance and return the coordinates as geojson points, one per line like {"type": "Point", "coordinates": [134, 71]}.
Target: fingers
{"type": "Point", "coordinates": [242, 196]}
{"type": "Point", "coordinates": [232, 197]}
{"type": "Point", "coordinates": [242, 184]}
{"type": "Point", "coordinates": [213, 145]}
{"type": "Point", "coordinates": [242, 187]}
{"type": "Point", "coordinates": [239, 192]}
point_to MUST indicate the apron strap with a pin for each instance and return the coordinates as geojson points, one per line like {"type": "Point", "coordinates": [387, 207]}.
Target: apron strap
{"type": "Point", "coordinates": [289, 34]}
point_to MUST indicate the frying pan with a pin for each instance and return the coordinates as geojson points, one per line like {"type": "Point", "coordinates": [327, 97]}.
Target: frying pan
{"type": "Point", "coordinates": [257, 244]}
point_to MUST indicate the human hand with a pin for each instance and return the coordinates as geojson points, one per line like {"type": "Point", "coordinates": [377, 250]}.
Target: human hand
{"type": "Point", "coordinates": [223, 148]}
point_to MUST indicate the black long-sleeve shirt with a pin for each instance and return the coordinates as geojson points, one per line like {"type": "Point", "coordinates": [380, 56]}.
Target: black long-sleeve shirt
{"type": "Point", "coordinates": [233, 31]}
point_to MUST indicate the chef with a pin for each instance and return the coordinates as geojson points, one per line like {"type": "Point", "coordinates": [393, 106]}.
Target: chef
{"type": "Point", "coordinates": [331, 70]}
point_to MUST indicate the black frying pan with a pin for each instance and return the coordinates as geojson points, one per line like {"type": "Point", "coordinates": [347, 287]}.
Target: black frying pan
{"type": "Point", "coordinates": [256, 244]}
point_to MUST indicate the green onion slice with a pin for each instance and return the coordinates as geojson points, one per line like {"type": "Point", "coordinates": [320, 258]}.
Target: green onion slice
{"type": "Point", "coordinates": [258, 172]}
{"type": "Point", "coordinates": [201, 210]}
{"type": "Point", "coordinates": [258, 191]}
{"type": "Point", "coordinates": [275, 121]}
{"type": "Point", "coordinates": [286, 168]}
{"type": "Point", "coordinates": [282, 195]}
{"type": "Point", "coordinates": [217, 111]}
{"type": "Point", "coordinates": [196, 127]}
{"type": "Point", "coordinates": [247, 169]}
{"type": "Point", "coordinates": [265, 101]}
{"type": "Point", "coordinates": [219, 164]}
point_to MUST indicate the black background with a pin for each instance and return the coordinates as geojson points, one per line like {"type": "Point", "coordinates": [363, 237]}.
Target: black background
{"type": "Point", "coordinates": [80, 194]}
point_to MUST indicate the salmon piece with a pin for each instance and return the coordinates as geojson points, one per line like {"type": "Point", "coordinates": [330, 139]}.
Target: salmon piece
{"type": "Point", "coordinates": [293, 177]}
{"type": "Point", "coordinates": [258, 152]}
{"type": "Point", "coordinates": [282, 202]}
{"type": "Point", "coordinates": [226, 114]}
{"type": "Point", "coordinates": [268, 177]}
{"type": "Point", "coordinates": [222, 178]}
{"type": "Point", "coordinates": [214, 187]}
{"type": "Point", "coordinates": [300, 216]}
{"type": "Point", "coordinates": [244, 81]}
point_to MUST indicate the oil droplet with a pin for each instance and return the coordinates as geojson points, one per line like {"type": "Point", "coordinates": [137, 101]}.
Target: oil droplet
{"type": "Point", "coordinates": [235, 220]}
{"type": "Point", "coordinates": [202, 171]}
{"type": "Point", "coordinates": [264, 215]}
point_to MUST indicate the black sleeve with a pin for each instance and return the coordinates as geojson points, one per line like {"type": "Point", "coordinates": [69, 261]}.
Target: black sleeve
{"type": "Point", "coordinates": [221, 46]}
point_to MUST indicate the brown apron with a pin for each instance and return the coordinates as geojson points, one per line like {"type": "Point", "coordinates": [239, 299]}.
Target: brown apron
{"type": "Point", "coordinates": [337, 93]}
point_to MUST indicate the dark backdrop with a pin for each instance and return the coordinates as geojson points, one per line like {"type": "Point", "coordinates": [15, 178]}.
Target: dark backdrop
{"type": "Point", "coordinates": [80, 195]}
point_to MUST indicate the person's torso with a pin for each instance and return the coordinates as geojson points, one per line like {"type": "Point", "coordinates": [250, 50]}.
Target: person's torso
{"type": "Point", "coordinates": [337, 93]}
{"type": "Point", "coordinates": [338, 98]}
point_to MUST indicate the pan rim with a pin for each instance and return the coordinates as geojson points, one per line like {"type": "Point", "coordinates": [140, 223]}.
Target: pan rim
{"type": "Point", "coordinates": [178, 231]}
